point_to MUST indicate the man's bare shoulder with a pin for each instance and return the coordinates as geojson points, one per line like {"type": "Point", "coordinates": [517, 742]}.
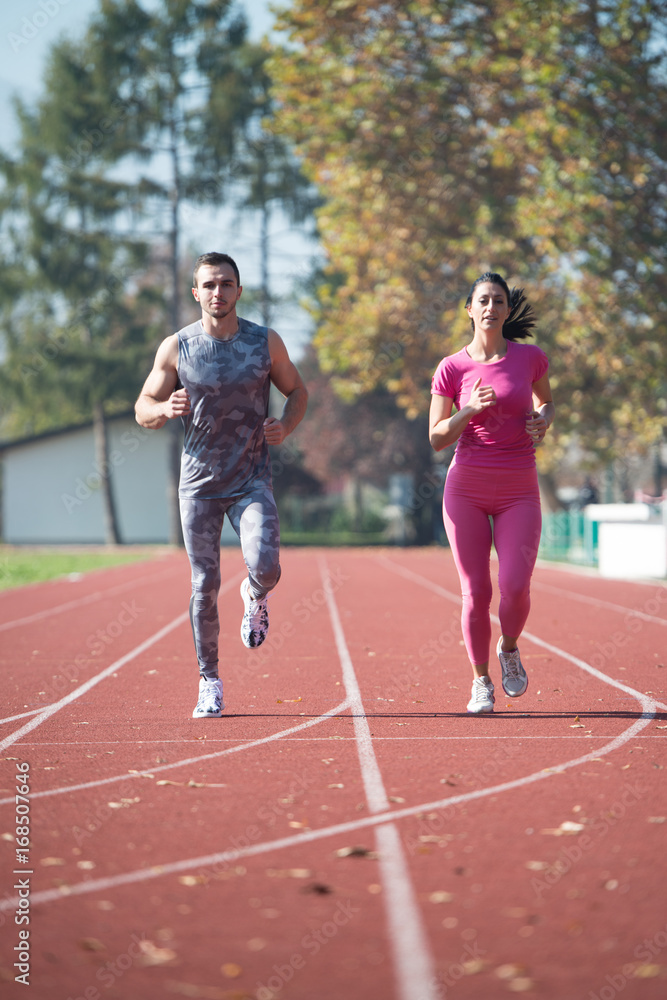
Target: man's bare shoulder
{"type": "Point", "coordinates": [167, 352]}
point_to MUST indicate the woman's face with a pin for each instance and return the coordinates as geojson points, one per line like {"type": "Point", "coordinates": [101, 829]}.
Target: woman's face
{"type": "Point", "coordinates": [489, 307]}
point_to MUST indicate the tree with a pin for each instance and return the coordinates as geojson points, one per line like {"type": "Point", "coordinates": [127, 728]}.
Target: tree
{"type": "Point", "coordinates": [368, 439]}
{"type": "Point", "coordinates": [448, 138]}
{"type": "Point", "coordinates": [265, 170]}
{"type": "Point", "coordinates": [139, 119]}
{"type": "Point", "coordinates": [75, 331]}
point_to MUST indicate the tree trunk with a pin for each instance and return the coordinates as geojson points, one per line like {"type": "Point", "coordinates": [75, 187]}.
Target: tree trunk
{"type": "Point", "coordinates": [548, 496]}
{"type": "Point", "coordinates": [111, 531]}
{"type": "Point", "coordinates": [264, 257]}
{"type": "Point", "coordinates": [173, 468]}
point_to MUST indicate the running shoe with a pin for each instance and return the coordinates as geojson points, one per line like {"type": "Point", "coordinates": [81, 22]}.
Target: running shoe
{"type": "Point", "coordinates": [515, 680]}
{"type": "Point", "coordinates": [255, 622]}
{"type": "Point", "coordinates": [209, 704]}
{"type": "Point", "coordinates": [481, 699]}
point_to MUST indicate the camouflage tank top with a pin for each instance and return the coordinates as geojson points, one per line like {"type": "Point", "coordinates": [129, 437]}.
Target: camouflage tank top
{"type": "Point", "coordinates": [224, 449]}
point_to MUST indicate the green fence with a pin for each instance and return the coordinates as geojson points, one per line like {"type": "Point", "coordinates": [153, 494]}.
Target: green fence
{"type": "Point", "coordinates": [568, 536]}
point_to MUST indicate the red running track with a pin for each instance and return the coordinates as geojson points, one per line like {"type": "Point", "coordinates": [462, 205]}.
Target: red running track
{"type": "Point", "coordinates": [346, 830]}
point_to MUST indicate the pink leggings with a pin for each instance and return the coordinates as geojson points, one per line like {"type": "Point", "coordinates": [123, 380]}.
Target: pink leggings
{"type": "Point", "coordinates": [511, 498]}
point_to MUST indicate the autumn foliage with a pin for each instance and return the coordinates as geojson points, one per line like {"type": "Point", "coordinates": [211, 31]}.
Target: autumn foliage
{"type": "Point", "coordinates": [449, 138]}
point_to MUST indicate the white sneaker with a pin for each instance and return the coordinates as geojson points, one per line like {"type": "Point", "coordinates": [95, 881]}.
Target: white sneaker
{"type": "Point", "coordinates": [515, 680]}
{"type": "Point", "coordinates": [255, 622]}
{"type": "Point", "coordinates": [209, 704]}
{"type": "Point", "coordinates": [481, 697]}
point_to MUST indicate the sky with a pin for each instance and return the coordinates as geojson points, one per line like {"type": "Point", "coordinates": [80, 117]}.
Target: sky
{"type": "Point", "coordinates": [28, 30]}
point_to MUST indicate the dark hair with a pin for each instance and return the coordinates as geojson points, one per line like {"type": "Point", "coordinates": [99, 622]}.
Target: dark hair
{"type": "Point", "coordinates": [521, 319]}
{"type": "Point", "coordinates": [215, 258]}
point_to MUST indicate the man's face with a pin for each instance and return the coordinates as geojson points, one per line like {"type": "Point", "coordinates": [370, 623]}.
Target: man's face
{"type": "Point", "coordinates": [216, 290]}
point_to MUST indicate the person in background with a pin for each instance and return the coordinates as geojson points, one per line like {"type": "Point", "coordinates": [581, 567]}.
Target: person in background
{"type": "Point", "coordinates": [215, 375]}
{"type": "Point", "coordinates": [503, 409]}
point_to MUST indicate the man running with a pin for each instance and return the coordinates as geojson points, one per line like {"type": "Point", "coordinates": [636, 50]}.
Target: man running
{"type": "Point", "coordinates": [216, 375]}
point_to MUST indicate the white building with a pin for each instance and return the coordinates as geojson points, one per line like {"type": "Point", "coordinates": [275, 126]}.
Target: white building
{"type": "Point", "coordinates": [51, 486]}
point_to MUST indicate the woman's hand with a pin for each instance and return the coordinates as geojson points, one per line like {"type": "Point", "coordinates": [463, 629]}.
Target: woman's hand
{"type": "Point", "coordinates": [536, 426]}
{"type": "Point", "coordinates": [481, 397]}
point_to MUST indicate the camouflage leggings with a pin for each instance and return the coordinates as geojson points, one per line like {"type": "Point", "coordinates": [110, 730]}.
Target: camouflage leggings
{"type": "Point", "coordinates": [254, 518]}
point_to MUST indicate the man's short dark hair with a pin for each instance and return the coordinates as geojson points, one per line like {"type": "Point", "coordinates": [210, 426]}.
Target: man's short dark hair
{"type": "Point", "coordinates": [212, 259]}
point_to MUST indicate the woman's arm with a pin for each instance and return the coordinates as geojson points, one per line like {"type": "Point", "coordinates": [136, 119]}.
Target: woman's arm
{"type": "Point", "coordinates": [444, 427]}
{"type": "Point", "coordinates": [544, 411]}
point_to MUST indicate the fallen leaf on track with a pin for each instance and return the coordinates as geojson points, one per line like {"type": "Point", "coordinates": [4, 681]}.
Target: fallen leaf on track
{"type": "Point", "coordinates": [231, 970]}
{"type": "Point", "coordinates": [647, 971]}
{"type": "Point", "coordinates": [441, 897]}
{"type": "Point", "coordinates": [520, 985]}
{"type": "Point", "coordinates": [151, 954]}
{"type": "Point", "coordinates": [355, 852]}
{"type": "Point", "coordinates": [192, 879]}
{"type": "Point", "coordinates": [92, 944]}
{"type": "Point", "coordinates": [289, 872]}
{"type": "Point", "coordinates": [318, 888]}
{"type": "Point", "coordinates": [566, 828]}
{"type": "Point", "coordinates": [510, 971]}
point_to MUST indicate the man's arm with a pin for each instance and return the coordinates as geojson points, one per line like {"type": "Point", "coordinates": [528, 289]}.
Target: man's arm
{"type": "Point", "coordinates": [287, 380]}
{"type": "Point", "coordinates": [158, 402]}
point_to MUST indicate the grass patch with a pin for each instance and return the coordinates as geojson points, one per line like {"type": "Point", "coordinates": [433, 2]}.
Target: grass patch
{"type": "Point", "coordinates": [19, 566]}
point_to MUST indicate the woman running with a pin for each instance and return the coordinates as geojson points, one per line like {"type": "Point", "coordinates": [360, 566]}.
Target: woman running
{"type": "Point", "coordinates": [503, 410]}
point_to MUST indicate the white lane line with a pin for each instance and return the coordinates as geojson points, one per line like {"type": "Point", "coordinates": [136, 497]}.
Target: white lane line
{"type": "Point", "coordinates": [352, 826]}
{"type": "Point", "coordinates": [463, 738]}
{"type": "Point", "coordinates": [425, 582]}
{"type": "Point", "coordinates": [415, 969]}
{"type": "Point", "coordinates": [598, 602]}
{"type": "Point", "coordinates": [87, 685]}
{"type": "Point", "coordinates": [187, 761]}
{"type": "Point", "coordinates": [24, 715]}
{"type": "Point", "coordinates": [79, 602]}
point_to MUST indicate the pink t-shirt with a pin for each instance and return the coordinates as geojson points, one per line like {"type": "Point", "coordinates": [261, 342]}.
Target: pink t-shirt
{"type": "Point", "coordinates": [496, 436]}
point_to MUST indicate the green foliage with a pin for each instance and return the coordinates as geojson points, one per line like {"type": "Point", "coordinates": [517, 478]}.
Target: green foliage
{"type": "Point", "coordinates": [447, 139]}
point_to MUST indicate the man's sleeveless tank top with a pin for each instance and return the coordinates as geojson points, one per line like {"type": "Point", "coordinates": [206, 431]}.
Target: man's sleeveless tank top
{"type": "Point", "coordinates": [224, 450]}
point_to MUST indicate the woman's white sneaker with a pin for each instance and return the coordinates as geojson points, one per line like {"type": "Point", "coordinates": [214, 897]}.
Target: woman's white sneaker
{"type": "Point", "coordinates": [515, 679]}
{"type": "Point", "coordinates": [482, 698]}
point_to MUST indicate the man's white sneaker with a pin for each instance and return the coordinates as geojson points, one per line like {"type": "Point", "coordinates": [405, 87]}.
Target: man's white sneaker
{"type": "Point", "coordinates": [515, 680]}
{"type": "Point", "coordinates": [209, 704]}
{"type": "Point", "coordinates": [481, 699]}
{"type": "Point", "coordinates": [255, 622]}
